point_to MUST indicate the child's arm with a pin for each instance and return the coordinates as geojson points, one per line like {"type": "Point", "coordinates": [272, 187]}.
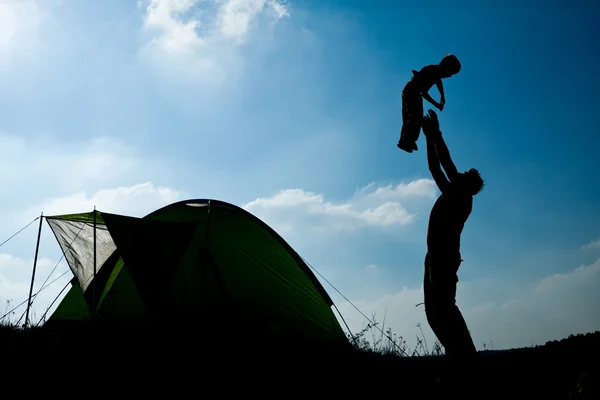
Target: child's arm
{"type": "Point", "coordinates": [427, 97]}
{"type": "Point", "coordinates": [440, 87]}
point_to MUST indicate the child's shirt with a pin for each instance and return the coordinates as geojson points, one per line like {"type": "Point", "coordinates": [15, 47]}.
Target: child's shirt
{"type": "Point", "coordinates": [424, 79]}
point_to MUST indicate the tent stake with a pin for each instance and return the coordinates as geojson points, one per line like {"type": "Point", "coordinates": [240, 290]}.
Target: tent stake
{"type": "Point", "coordinates": [37, 247]}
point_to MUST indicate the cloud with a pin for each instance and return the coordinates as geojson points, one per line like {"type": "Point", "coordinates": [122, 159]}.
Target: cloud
{"type": "Point", "coordinates": [299, 210]}
{"type": "Point", "coordinates": [52, 174]}
{"type": "Point", "coordinates": [550, 309]}
{"type": "Point", "coordinates": [401, 191]}
{"type": "Point", "coordinates": [235, 16]}
{"type": "Point", "coordinates": [594, 244]}
{"type": "Point", "coordinates": [18, 24]}
{"type": "Point", "coordinates": [176, 34]}
{"type": "Point", "coordinates": [573, 292]}
{"type": "Point", "coordinates": [137, 200]}
{"type": "Point", "coordinates": [66, 165]}
{"type": "Point", "coordinates": [203, 34]}
{"type": "Point", "coordinates": [27, 37]}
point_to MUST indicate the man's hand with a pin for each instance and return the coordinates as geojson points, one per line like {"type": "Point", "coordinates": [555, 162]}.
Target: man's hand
{"type": "Point", "coordinates": [431, 125]}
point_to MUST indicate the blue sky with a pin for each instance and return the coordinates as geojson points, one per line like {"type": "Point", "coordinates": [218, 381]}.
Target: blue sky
{"type": "Point", "coordinates": [292, 110]}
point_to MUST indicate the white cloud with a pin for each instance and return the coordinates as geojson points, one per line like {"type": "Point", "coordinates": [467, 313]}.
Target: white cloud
{"type": "Point", "coordinates": [594, 244]}
{"type": "Point", "coordinates": [18, 21]}
{"type": "Point", "coordinates": [235, 16]}
{"type": "Point", "coordinates": [176, 34]}
{"type": "Point", "coordinates": [295, 209]}
{"type": "Point", "coordinates": [401, 191]}
{"type": "Point", "coordinates": [16, 273]}
{"type": "Point", "coordinates": [66, 165]}
{"type": "Point", "coordinates": [137, 200]}
{"type": "Point", "coordinates": [25, 29]}
{"type": "Point", "coordinates": [203, 34]}
{"type": "Point", "coordinates": [553, 308]}
{"type": "Point", "coordinates": [52, 174]}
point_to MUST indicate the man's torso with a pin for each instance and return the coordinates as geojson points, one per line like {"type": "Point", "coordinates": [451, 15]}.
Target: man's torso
{"type": "Point", "coordinates": [446, 221]}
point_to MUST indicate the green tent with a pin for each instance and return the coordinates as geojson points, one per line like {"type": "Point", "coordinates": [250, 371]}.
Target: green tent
{"type": "Point", "coordinates": [193, 258]}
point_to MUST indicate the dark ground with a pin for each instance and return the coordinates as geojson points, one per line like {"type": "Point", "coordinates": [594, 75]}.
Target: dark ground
{"type": "Point", "coordinates": [177, 361]}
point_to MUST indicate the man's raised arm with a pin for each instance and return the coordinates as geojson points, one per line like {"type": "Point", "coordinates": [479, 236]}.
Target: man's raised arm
{"type": "Point", "coordinates": [445, 159]}
{"type": "Point", "coordinates": [431, 133]}
{"type": "Point", "coordinates": [433, 125]}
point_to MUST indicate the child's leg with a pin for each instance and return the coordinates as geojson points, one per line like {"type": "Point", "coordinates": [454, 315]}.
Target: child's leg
{"type": "Point", "coordinates": [405, 119]}
{"type": "Point", "coordinates": [412, 116]}
{"type": "Point", "coordinates": [417, 120]}
{"type": "Point", "coordinates": [405, 114]}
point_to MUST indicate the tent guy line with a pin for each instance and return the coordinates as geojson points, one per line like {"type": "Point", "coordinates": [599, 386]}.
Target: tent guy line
{"type": "Point", "coordinates": [35, 295]}
{"type": "Point", "coordinates": [56, 298]}
{"type": "Point", "coordinates": [53, 301]}
{"type": "Point", "coordinates": [19, 231]}
{"type": "Point", "coordinates": [357, 309]}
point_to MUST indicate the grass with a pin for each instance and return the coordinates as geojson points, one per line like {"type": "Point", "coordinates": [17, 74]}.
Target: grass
{"type": "Point", "coordinates": [226, 355]}
{"type": "Point", "coordinates": [382, 340]}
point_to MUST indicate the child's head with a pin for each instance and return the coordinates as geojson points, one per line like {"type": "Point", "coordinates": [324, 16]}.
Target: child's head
{"type": "Point", "coordinates": [449, 65]}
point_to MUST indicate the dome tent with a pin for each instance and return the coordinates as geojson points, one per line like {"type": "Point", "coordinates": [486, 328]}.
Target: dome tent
{"type": "Point", "coordinates": [194, 258]}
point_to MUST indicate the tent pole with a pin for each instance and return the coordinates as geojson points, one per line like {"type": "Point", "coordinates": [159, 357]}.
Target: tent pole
{"type": "Point", "coordinates": [94, 280]}
{"type": "Point", "coordinates": [37, 247]}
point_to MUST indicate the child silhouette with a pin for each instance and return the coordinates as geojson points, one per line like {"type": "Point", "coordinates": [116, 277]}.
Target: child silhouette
{"type": "Point", "coordinates": [416, 90]}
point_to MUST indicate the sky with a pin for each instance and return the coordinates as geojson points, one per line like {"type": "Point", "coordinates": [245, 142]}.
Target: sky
{"type": "Point", "coordinates": [292, 110]}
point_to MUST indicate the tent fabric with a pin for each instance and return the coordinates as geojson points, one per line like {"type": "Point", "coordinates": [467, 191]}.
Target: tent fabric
{"type": "Point", "coordinates": [75, 235]}
{"type": "Point", "coordinates": [194, 258]}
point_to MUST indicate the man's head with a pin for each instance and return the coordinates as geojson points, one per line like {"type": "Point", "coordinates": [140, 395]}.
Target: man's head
{"type": "Point", "coordinates": [450, 65]}
{"type": "Point", "coordinates": [471, 182]}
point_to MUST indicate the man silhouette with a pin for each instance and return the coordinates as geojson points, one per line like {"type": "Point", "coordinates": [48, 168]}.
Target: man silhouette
{"type": "Point", "coordinates": [446, 221]}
